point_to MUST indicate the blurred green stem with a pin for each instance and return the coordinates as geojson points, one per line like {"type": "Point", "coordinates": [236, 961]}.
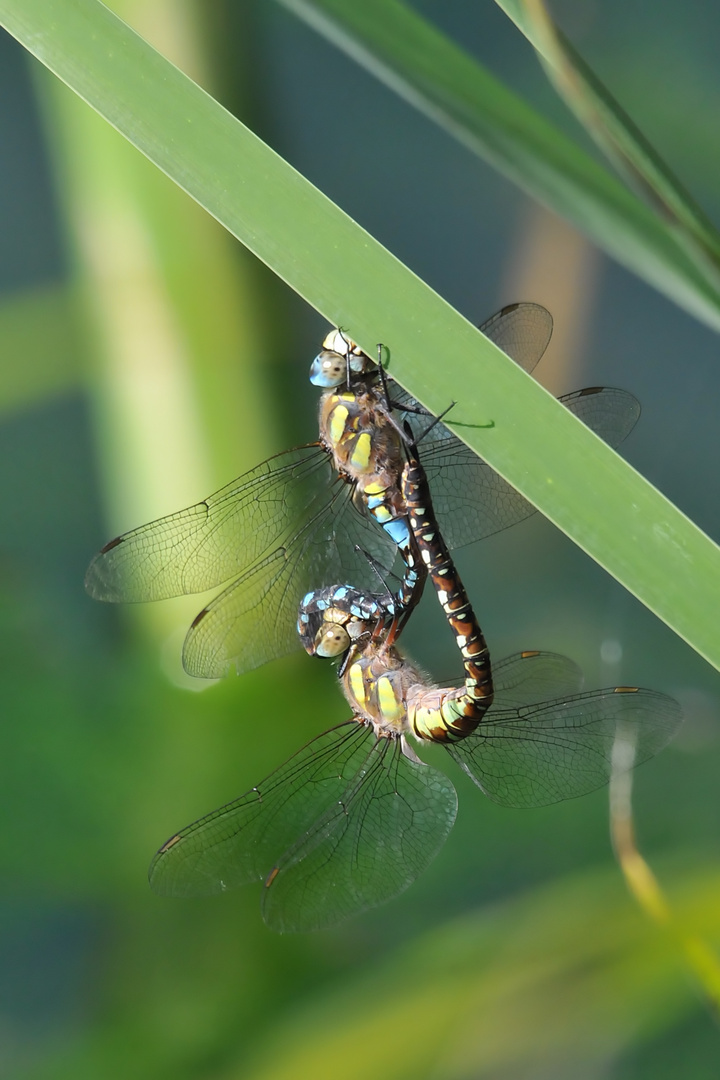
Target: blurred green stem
{"type": "Point", "coordinates": [178, 369]}
{"type": "Point", "coordinates": [698, 954]}
{"type": "Point", "coordinates": [616, 134]}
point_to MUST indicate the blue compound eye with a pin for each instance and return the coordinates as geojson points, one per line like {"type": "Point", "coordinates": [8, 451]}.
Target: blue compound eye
{"type": "Point", "coordinates": [328, 369]}
{"type": "Point", "coordinates": [331, 640]}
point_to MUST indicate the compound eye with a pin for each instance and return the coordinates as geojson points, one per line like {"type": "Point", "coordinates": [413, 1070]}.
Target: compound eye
{"type": "Point", "coordinates": [331, 640]}
{"type": "Point", "coordinates": [333, 365]}
{"type": "Point", "coordinates": [328, 369]}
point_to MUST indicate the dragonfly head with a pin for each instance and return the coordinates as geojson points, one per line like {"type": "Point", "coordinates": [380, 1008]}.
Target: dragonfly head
{"type": "Point", "coordinates": [338, 361]}
{"type": "Point", "coordinates": [331, 619]}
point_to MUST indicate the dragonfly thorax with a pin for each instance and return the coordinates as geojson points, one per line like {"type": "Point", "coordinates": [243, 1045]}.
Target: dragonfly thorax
{"type": "Point", "coordinates": [377, 681]}
{"type": "Point", "coordinates": [356, 430]}
{"type": "Point", "coordinates": [367, 452]}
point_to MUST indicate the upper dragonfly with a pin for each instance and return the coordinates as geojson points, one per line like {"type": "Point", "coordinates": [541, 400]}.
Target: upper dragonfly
{"type": "Point", "coordinates": [355, 816]}
{"type": "Point", "coordinates": [293, 523]}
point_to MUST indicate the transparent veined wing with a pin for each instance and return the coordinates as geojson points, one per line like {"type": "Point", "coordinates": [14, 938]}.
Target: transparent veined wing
{"type": "Point", "coordinates": [542, 753]}
{"type": "Point", "coordinates": [345, 824]}
{"type": "Point", "coordinates": [472, 501]}
{"type": "Point", "coordinates": [370, 846]}
{"type": "Point", "coordinates": [522, 331]}
{"type": "Point", "coordinates": [292, 497]}
{"type": "Point", "coordinates": [609, 412]}
{"type": "Point", "coordinates": [284, 527]}
{"type": "Point", "coordinates": [243, 840]}
{"type": "Point", "coordinates": [205, 545]}
{"type": "Point", "coordinates": [254, 619]}
{"type": "Point", "coordinates": [527, 677]}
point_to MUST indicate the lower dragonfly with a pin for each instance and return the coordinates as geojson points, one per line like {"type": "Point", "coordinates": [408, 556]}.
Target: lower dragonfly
{"type": "Point", "coordinates": [295, 523]}
{"type": "Point", "coordinates": [353, 818]}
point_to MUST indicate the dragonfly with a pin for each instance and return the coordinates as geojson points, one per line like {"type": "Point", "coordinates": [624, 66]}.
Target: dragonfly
{"type": "Point", "coordinates": [354, 817]}
{"type": "Point", "coordinates": [331, 619]}
{"type": "Point", "coordinates": [294, 522]}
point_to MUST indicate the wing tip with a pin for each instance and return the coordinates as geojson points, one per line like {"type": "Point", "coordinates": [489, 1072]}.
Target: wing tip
{"type": "Point", "coordinates": [96, 584]}
{"type": "Point", "coordinates": [96, 581]}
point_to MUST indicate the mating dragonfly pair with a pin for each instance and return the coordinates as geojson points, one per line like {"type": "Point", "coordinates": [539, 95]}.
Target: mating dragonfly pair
{"type": "Point", "coordinates": [354, 817]}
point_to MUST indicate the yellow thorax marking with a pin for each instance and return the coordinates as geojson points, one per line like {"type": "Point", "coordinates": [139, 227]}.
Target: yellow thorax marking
{"type": "Point", "coordinates": [338, 423]}
{"type": "Point", "coordinates": [357, 683]}
{"type": "Point", "coordinates": [361, 454]}
{"type": "Point", "coordinates": [390, 707]}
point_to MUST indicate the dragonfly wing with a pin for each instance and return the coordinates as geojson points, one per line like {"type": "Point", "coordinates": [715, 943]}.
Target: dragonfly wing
{"type": "Point", "coordinates": [522, 331]}
{"type": "Point", "coordinates": [255, 619]}
{"type": "Point", "coordinates": [241, 842]}
{"type": "Point", "coordinates": [555, 750]}
{"type": "Point", "coordinates": [472, 501]}
{"type": "Point", "coordinates": [528, 677]}
{"type": "Point", "coordinates": [609, 412]}
{"type": "Point", "coordinates": [382, 833]}
{"type": "Point", "coordinates": [251, 519]}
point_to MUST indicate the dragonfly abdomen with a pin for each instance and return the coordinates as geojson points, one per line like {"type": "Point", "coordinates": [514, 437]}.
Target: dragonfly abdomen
{"type": "Point", "coordinates": [445, 715]}
{"type": "Point", "coordinates": [457, 712]}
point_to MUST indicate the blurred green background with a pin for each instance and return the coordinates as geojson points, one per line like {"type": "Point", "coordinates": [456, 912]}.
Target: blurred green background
{"type": "Point", "coordinates": [146, 360]}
